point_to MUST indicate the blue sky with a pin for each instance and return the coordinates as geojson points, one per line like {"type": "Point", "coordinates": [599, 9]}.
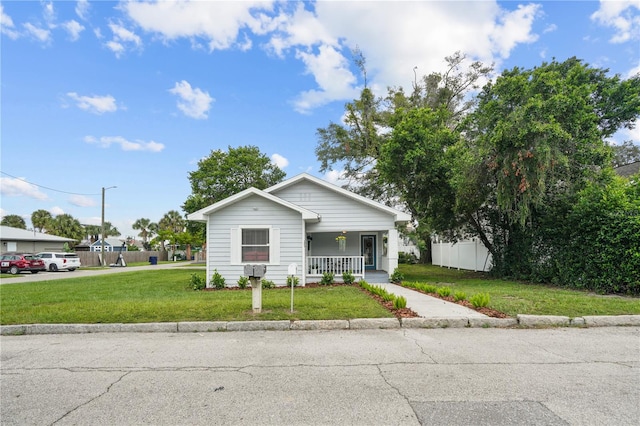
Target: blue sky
{"type": "Point", "coordinates": [132, 94]}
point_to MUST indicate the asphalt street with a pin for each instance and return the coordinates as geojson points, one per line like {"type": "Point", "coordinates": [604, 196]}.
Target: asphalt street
{"type": "Point", "coordinates": [558, 376]}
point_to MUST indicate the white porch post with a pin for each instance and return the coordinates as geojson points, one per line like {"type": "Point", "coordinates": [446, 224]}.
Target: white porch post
{"type": "Point", "coordinates": [392, 249]}
{"type": "Point", "coordinates": [303, 271]}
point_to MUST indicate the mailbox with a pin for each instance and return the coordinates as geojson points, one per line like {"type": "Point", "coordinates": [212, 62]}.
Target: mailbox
{"type": "Point", "coordinates": [255, 271]}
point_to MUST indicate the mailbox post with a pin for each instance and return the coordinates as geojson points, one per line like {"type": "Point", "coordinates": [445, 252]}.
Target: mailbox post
{"type": "Point", "coordinates": [293, 270]}
{"type": "Point", "coordinates": [255, 273]}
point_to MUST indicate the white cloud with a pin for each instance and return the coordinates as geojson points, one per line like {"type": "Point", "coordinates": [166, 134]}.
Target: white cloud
{"type": "Point", "coordinates": [623, 16]}
{"type": "Point", "coordinates": [56, 211]}
{"type": "Point", "coordinates": [514, 28]}
{"type": "Point", "coordinates": [17, 187]}
{"type": "Point", "coordinates": [123, 39]}
{"type": "Point", "coordinates": [625, 134]}
{"type": "Point", "coordinates": [125, 145]}
{"type": "Point", "coordinates": [94, 104]}
{"type": "Point", "coordinates": [332, 75]}
{"type": "Point", "coordinates": [91, 220]}
{"type": "Point", "coordinates": [279, 161]}
{"type": "Point", "coordinates": [82, 9]}
{"type": "Point", "coordinates": [336, 177]}
{"type": "Point", "coordinates": [6, 25]}
{"type": "Point", "coordinates": [422, 35]}
{"type": "Point", "coordinates": [49, 13]}
{"type": "Point", "coordinates": [38, 33]}
{"type": "Point", "coordinates": [73, 28]}
{"type": "Point", "coordinates": [395, 37]}
{"type": "Point", "coordinates": [195, 103]}
{"type": "Point", "coordinates": [219, 23]}
{"type": "Point", "coordinates": [633, 71]}
{"type": "Point", "coordinates": [303, 28]}
{"type": "Point", "coordinates": [82, 201]}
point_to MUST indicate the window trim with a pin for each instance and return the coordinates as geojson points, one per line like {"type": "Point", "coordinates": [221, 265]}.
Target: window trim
{"type": "Point", "coordinates": [268, 245]}
{"type": "Point", "coordinates": [235, 244]}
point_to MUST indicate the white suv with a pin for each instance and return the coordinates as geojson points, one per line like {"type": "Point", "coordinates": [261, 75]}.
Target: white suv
{"type": "Point", "coordinates": [60, 261]}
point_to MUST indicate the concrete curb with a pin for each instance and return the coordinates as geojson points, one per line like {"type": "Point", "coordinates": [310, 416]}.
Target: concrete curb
{"type": "Point", "coordinates": [543, 321]}
{"type": "Point", "coordinates": [606, 321]}
{"type": "Point", "coordinates": [438, 322]}
{"type": "Point", "coordinates": [525, 321]}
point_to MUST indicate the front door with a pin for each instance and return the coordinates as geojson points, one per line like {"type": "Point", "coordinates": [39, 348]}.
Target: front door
{"type": "Point", "coordinates": [368, 251]}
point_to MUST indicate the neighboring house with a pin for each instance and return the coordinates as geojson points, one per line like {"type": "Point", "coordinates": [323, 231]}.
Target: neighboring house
{"type": "Point", "coordinates": [110, 244]}
{"type": "Point", "coordinates": [628, 169]}
{"type": "Point", "coordinates": [304, 220]}
{"type": "Point", "coordinates": [21, 240]}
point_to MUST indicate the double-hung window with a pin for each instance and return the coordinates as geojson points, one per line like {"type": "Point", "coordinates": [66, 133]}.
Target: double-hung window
{"type": "Point", "coordinates": [255, 245]}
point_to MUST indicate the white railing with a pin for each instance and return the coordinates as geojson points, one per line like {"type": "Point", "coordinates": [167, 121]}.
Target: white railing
{"type": "Point", "coordinates": [318, 265]}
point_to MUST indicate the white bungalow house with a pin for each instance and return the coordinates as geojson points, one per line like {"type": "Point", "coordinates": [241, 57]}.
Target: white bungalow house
{"type": "Point", "coordinates": [306, 221]}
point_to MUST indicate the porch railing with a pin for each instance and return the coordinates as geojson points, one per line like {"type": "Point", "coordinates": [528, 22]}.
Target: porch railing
{"type": "Point", "coordinates": [318, 265]}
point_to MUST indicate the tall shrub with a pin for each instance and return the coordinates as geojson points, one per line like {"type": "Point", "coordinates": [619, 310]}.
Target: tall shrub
{"type": "Point", "coordinates": [602, 244]}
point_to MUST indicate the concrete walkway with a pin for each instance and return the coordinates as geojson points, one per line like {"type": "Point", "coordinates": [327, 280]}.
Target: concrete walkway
{"type": "Point", "coordinates": [430, 307]}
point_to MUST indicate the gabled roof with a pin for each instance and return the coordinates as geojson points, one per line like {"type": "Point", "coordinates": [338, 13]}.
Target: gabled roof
{"type": "Point", "coordinates": [8, 233]}
{"type": "Point", "coordinates": [200, 215]}
{"type": "Point", "coordinates": [400, 216]}
{"type": "Point", "coordinates": [628, 169]}
{"type": "Point", "coordinates": [114, 242]}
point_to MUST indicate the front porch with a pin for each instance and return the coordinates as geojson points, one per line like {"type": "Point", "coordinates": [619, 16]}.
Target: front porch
{"type": "Point", "coordinates": [368, 254]}
{"type": "Point", "coordinates": [337, 265]}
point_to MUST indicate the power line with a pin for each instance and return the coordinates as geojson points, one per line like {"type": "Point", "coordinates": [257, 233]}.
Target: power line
{"type": "Point", "coordinates": [42, 186]}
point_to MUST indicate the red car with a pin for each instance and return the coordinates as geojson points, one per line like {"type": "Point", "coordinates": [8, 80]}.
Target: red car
{"type": "Point", "coordinates": [14, 263]}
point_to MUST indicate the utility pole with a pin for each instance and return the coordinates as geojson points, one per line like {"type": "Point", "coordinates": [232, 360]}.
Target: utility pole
{"type": "Point", "coordinates": [102, 227]}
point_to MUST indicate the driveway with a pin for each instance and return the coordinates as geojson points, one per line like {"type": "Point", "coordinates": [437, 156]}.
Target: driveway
{"type": "Point", "coordinates": [575, 376]}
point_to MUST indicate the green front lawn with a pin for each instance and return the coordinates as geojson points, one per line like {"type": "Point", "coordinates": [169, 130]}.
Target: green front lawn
{"type": "Point", "coordinates": [514, 298]}
{"type": "Point", "coordinates": [165, 296]}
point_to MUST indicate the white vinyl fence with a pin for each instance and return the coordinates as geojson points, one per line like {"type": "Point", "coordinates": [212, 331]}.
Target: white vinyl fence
{"type": "Point", "coordinates": [470, 255]}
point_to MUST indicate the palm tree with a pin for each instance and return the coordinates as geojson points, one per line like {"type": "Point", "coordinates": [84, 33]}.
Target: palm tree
{"type": "Point", "coordinates": [14, 221]}
{"type": "Point", "coordinates": [110, 230]}
{"type": "Point", "coordinates": [142, 225]}
{"type": "Point", "coordinates": [41, 219]}
{"type": "Point", "coordinates": [171, 225]}
{"type": "Point", "coordinates": [172, 221]}
{"type": "Point", "coordinates": [65, 225]}
{"type": "Point", "coordinates": [153, 228]}
{"type": "Point", "coordinates": [92, 231]}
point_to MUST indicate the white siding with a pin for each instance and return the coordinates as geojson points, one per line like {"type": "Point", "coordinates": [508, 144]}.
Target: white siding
{"type": "Point", "coordinates": [338, 211]}
{"type": "Point", "coordinates": [254, 211]}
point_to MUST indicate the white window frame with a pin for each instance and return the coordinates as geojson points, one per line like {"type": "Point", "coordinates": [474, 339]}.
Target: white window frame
{"type": "Point", "coordinates": [236, 244]}
{"type": "Point", "coordinates": [268, 245]}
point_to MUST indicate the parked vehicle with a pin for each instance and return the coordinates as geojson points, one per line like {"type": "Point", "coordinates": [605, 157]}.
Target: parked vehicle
{"type": "Point", "coordinates": [14, 263]}
{"type": "Point", "coordinates": [60, 261]}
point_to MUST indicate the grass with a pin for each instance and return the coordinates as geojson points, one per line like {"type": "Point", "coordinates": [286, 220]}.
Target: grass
{"type": "Point", "coordinates": [165, 296]}
{"type": "Point", "coordinates": [513, 297]}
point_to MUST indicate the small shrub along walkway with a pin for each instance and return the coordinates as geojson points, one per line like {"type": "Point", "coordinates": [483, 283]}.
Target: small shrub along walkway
{"type": "Point", "coordinates": [521, 298]}
{"type": "Point", "coordinates": [459, 298]}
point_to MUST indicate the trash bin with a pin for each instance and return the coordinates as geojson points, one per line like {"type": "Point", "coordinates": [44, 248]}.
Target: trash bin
{"type": "Point", "coordinates": [153, 260]}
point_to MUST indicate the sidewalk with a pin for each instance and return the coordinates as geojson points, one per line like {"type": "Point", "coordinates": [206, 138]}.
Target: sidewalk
{"type": "Point", "coordinates": [431, 307]}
